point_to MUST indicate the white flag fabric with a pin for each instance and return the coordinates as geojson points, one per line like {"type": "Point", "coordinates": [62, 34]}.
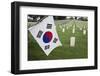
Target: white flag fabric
{"type": "Point", "coordinates": [45, 34]}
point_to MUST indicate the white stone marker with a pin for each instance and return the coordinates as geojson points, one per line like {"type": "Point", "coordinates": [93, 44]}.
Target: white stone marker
{"type": "Point", "coordinates": [67, 27]}
{"type": "Point", "coordinates": [63, 30]}
{"type": "Point", "coordinates": [72, 41]}
{"type": "Point", "coordinates": [73, 31]}
{"type": "Point", "coordinates": [80, 28]}
{"type": "Point", "coordinates": [84, 32]}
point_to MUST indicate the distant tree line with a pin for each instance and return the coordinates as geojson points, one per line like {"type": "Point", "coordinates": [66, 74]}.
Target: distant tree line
{"type": "Point", "coordinates": [35, 18]}
{"type": "Point", "coordinates": [76, 18]}
{"type": "Point", "coordinates": [59, 17]}
{"type": "Point", "coordinates": [83, 19]}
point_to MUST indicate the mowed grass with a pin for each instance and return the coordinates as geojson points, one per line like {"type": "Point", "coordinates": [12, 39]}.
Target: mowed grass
{"type": "Point", "coordinates": [65, 51]}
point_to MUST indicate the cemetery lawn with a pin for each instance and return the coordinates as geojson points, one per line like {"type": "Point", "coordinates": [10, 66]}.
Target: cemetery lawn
{"type": "Point", "coordinates": [80, 50]}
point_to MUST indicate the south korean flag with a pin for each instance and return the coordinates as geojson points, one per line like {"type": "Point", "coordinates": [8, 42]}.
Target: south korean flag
{"type": "Point", "coordinates": [45, 34]}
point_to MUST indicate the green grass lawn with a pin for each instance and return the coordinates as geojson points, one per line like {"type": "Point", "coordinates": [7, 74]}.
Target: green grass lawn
{"type": "Point", "coordinates": [65, 51]}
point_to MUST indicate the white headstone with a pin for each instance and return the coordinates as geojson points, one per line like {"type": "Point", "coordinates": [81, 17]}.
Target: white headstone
{"type": "Point", "coordinates": [72, 41]}
{"type": "Point", "coordinates": [63, 30]}
{"type": "Point", "coordinates": [80, 28]}
{"type": "Point", "coordinates": [84, 32]}
{"type": "Point", "coordinates": [67, 27]}
{"type": "Point", "coordinates": [73, 31]}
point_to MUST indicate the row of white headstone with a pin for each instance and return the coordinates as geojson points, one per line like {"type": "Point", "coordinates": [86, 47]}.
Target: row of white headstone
{"type": "Point", "coordinates": [73, 30]}
{"type": "Point", "coordinates": [72, 39]}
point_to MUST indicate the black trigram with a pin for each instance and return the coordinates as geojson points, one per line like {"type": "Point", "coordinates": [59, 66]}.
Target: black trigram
{"type": "Point", "coordinates": [47, 47]}
{"type": "Point", "coordinates": [39, 34]}
{"type": "Point", "coordinates": [55, 40]}
{"type": "Point", "coordinates": [49, 26]}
